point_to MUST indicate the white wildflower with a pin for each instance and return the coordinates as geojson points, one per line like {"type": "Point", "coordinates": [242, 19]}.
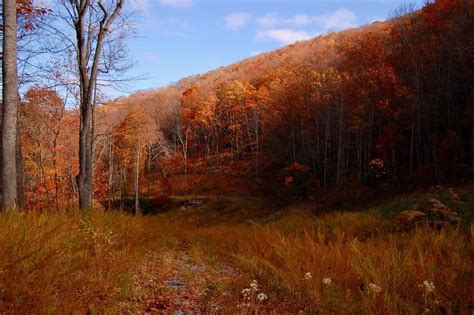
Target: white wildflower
{"type": "Point", "coordinates": [327, 281]}
{"type": "Point", "coordinates": [374, 288]}
{"type": "Point", "coordinates": [308, 276]}
{"type": "Point", "coordinates": [254, 285]}
{"type": "Point", "coordinates": [428, 286]}
{"type": "Point", "coordinates": [262, 297]}
{"type": "Point", "coordinates": [245, 292]}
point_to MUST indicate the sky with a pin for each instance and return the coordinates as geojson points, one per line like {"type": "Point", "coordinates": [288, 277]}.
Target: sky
{"type": "Point", "coordinates": [179, 38]}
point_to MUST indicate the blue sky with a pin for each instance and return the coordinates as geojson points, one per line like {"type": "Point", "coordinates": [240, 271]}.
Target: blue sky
{"type": "Point", "coordinates": [178, 38]}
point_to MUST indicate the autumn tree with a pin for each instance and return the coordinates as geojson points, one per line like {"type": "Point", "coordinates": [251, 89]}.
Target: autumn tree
{"type": "Point", "coordinates": [43, 116]}
{"type": "Point", "coordinates": [135, 135]}
{"type": "Point", "coordinates": [96, 43]}
{"type": "Point", "coordinates": [10, 106]}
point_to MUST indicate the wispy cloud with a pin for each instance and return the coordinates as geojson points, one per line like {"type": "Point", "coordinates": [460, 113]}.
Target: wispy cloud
{"type": "Point", "coordinates": [269, 20]}
{"type": "Point", "coordinates": [177, 3]}
{"type": "Point", "coordinates": [338, 20]}
{"type": "Point", "coordinates": [283, 35]}
{"type": "Point", "coordinates": [290, 29]}
{"type": "Point", "coordinates": [273, 19]}
{"type": "Point", "coordinates": [237, 20]}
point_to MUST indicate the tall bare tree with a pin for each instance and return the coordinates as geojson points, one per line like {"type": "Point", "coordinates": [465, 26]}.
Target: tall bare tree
{"type": "Point", "coordinates": [93, 23]}
{"type": "Point", "coordinates": [10, 105]}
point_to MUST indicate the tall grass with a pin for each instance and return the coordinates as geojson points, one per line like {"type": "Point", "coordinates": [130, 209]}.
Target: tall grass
{"type": "Point", "coordinates": [83, 262]}
{"type": "Point", "coordinates": [354, 250]}
{"type": "Point", "coordinates": [67, 262]}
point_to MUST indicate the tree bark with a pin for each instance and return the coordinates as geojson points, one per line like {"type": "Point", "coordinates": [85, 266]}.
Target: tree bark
{"type": "Point", "coordinates": [10, 106]}
{"type": "Point", "coordinates": [88, 72]}
{"type": "Point", "coordinates": [137, 176]}
{"type": "Point", "coordinates": [340, 155]}
{"type": "Point", "coordinates": [19, 169]}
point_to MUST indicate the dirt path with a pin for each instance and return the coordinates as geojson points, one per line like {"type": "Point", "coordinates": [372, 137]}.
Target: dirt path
{"type": "Point", "coordinates": [172, 282]}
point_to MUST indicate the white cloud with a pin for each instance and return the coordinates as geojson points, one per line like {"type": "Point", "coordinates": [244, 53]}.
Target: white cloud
{"type": "Point", "coordinates": [300, 20]}
{"type": "Point", "coordinates": [283, 35]}
{"type": "Point", "coordinates": [339, 20]}
{"type": "Point", "coordinates": [177, 3]}
{"type": "Point", "coordinates": [335, 21]}
{"type": "Point", "coordinates": [273, 19]}
{"type": "Point", "coordinates": [236, 20]}
{"type": "Point", "coordinates": [269, 20]}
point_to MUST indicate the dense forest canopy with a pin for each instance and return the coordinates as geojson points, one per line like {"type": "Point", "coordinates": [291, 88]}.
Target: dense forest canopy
{"type": "Point", "coordinates": [391, 102]}
{"type": "Point", "coordinates": [331, 176]}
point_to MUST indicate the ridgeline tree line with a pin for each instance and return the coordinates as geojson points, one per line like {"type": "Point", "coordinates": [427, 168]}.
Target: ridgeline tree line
{"type": "Point", "coordinates": [391, 101]}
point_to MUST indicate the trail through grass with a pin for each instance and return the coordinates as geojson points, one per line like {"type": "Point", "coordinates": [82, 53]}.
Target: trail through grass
{"type": "Point", "coordinates": [206, 259]}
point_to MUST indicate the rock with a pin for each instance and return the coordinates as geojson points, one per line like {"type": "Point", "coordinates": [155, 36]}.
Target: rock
{"type": "Point", "coordinates": [193, 202]}
{"type": "Point", "coordinates": [406, 219]}
{"type": "Point", "coordinates": [175, 284]}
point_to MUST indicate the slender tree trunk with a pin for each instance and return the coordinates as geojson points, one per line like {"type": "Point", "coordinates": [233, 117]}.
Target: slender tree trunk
{"type": "Point", "coordinates": [137, 176]}
{"type": "Point", "coordinates": [340, 156]}
{"type": "Point", "coordinates": [111, 175]}
{"type": "Point", "coordinates": [412, 139]}
{"type": "Point", "coordinates": [185, 156]}
{"type": "Point", "coordinates": [19, 168]}
{"type": "Point", "coordinates": [88, 60]}
{"type": "Point", "coordinates": [327, 144]}
{"type": "Point", "coordinates": [472, 131]}
{"type": "Point", "coordinates": [10, 106]}
{"type": "Point", "coordinates": [257, 145]}
{"type": "Point", "coordinates": [84, 179]}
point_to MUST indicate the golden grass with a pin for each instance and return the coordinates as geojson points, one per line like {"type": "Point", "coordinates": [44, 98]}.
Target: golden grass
{"type": "Point", "coordinates": [65, 262]}
{"type": "Point", "coordinates": [354, 251]}
{"type": "Point", "coordinates": [83, 262]}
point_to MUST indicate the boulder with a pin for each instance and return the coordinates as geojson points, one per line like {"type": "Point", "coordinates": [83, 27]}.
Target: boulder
{"type": "Point", "coordinates": [193, 202]}
{"type": "Point", "coordinates": [438, 216]}
{"type": "Point", "coordinates": [407, 219]}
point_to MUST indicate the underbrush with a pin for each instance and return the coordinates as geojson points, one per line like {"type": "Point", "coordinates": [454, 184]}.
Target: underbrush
{"type": "Point", "coordinates": [68, 262]}
{"type": "Point", "coordinates": [336, 263]}
{"type": "Point", "coordinates": [370, 268]}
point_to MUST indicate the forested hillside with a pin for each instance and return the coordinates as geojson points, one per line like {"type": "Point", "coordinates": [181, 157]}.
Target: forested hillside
{"type": "Point", "coordinates": [331, 176]}
{"type": "Point", "coordinates": [389, 102]}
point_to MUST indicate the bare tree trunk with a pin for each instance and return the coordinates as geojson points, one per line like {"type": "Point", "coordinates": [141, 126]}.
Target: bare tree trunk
{"type": "Point", "coordinates": [340, 155]}
{"type": "Point", "coordinates": [185, 156]}
{"type": "Point", "coordinates": [137, 175]}
{"type": "Point", "coordinates": [327, 144]}
{"type": "Point", "coordinates": [111, 175]}
{"type": "Point", "coordinates": [472, 131]}
{"type": "Point", "coordinates": [257, 144]}
{"type": "Point", "coordinates": [19, 169]}
{"type": "Point", "coordinates": [10, 106]}
{"type": "Point", "coordinates": [88, 59]}
{"type": "Point", "coordinates": [84, 179]}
